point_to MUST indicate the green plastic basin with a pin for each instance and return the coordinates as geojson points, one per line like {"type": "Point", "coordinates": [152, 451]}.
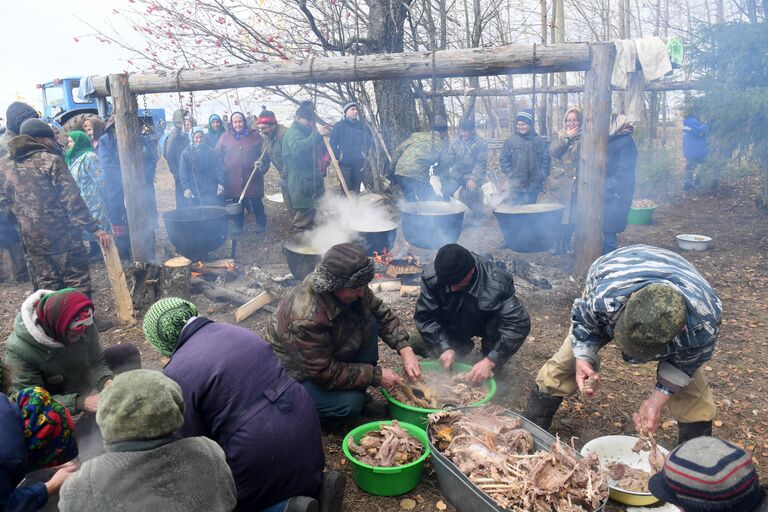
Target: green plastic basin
{"type": "Point", "coordinates": [386, 481]}
{"type": "Point", "coordinates": [640, 216]}
{"type": "Point", "coordinates": [405, 413]}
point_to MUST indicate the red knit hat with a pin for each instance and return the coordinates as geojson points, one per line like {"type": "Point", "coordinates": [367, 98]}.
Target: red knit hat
{"type": "Point", "coordinates": [266, 117]}
{"type": "Point", "coordinates": [58, 309]}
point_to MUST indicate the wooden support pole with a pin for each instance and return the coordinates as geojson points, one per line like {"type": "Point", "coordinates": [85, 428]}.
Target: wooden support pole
{"type": "Point", "coordinates": [123, 302]}
{"type": "Point", "coordinates": [682, 85]}
{"type": "Point", "coordinates": [132, 168]}
{"type": "Point", "coordinates": [594, 139]}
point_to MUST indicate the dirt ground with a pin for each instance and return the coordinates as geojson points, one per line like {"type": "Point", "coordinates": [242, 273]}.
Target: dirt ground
{"type": "Point", "coordinates": [735, 265]}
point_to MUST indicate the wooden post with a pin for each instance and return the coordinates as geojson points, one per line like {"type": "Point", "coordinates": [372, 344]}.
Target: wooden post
{"type": "Point", "coordinates": [132, 169]}
{"type": "Point", "coordinates": [123, 302]}
{"type": "Point", "coordinates": [591, 176]}
{"type": "Point", "coordinates": [336, 167]}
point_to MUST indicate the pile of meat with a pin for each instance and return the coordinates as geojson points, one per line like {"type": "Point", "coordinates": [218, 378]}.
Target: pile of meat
{"type": "Point", "coordinates": [498, 456]}
{"type": "Point", "coordinates": [631, 479]}
{"type": "Point", "coordinates": [387, 447]}
{"type": "Point", "coordinates": [438, 390]}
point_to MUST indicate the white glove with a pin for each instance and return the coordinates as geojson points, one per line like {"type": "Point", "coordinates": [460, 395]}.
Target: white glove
{"type": "Point", "coordinates": [188, 194]}
{"type": "Point", "coordinates": [219, 190]}
{"type": "Point", "coordinates": [434, 181]}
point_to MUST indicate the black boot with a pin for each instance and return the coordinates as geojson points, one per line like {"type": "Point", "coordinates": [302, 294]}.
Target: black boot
{"type": "Point", "coordinates": [688, 431]}
{"type": "Point", "coordinates": [541, 408]}
{"type": "Point", "coordinates": [332, 492]}
{"type": "Point", "coordinates": [302, 504]}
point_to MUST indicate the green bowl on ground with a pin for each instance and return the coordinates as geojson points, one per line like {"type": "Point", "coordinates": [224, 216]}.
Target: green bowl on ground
{"type": "Point", "coordinates": [381, 481]}
{"type": "Point", "coordinates": [405, 413]}
{"type": "Point", "coordinates": [640, 216]}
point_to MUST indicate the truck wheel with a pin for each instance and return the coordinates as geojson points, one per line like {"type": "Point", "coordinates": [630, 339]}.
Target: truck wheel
{"type": "Point", "coordinates": [74, 123]}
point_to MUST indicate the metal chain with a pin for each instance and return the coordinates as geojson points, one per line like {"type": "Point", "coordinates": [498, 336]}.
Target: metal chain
{"type": "Point", "coordinates": [146, 129]}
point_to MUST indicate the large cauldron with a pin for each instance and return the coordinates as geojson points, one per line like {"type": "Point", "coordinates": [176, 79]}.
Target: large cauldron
{"type": "Point", "coordinates": [301, 257]}
{"type": "Point", "coordinates": [432, 224]}
{"type": "Point", "coordinates": [376, 238]}
{"type": "Point", "coordinates": [197, 231]}
{"type": "Point", "coordinates": [530, 227]}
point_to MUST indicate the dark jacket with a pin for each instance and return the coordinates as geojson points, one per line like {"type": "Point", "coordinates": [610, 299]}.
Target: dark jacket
{"type": "Point", "coordinates": [200, 172]}
{"type": "Point", "coordinates": [13, 464]}
{"type": "Point", "coordinates": [620, 164]}
{"type": "Point", "coordinates": [236, 393]}
{"type": "Point", "coordinates": [274, 145]}
{"type": "Point", "coordinates": [525, 161]}
{"type": "Point", "coordinates": [351, 141]}
{"type": "Point", "coordinates": [300, 156]}
{"type": "Point", "coordinates": [212, 136]}
{"type": "Point", "coordinates": [446, 318]}
{"type": "Point", "coordinates": [110, 164]}
{"type": "Point", "coordinates": [316, 336]}
{"type": "Point", "coordinates": [694, 139]}
{"type": "Point", "coordinates": [471, 160]}
{"type": "Point", "coordinates": [237, 157]}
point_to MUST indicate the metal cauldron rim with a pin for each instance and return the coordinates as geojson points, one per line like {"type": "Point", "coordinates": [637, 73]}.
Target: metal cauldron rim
{"type": "Point", "coordinates": [448, 208]}
{"type": "Point", "coordinates": [529, 208]}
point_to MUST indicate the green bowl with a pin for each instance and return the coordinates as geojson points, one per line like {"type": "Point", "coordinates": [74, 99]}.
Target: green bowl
{"type": "Point", "coordinates": [405, 413]}
{"type": "Point", "coordinates": [386, 481]}
{"type": "Point", "coordinates": [640, 216]}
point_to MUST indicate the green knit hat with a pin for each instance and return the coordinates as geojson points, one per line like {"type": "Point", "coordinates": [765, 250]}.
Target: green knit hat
{"type": "Point", "coordinates": [140, 404]}
{"type": "Point", "coordinates": [165, 320]}
{"type": "Point", "coordinates": [651, 318]}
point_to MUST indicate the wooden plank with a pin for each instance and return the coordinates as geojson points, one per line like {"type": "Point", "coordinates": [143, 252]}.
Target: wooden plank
{"type": "Point", "coordinates": [336, 166]}
{"type": "Point", "coordinates": [671, 85]}
{"type": "Point", "coordinates": [386, 285]}
{"type": "Point", "coordinates": [252, 306]}
{"type": "Point", "coordinates": [123, 302]}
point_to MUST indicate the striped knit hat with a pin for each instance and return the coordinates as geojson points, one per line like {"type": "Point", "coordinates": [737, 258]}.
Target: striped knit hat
{"type": "Point", "coordinates": [708, 474]}
{"type": "Point", "coordinates": [164, 322]}
{"type": "Point", "coordinates": [526, 116]}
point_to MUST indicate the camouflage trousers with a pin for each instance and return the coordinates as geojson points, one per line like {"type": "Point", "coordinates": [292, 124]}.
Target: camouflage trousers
{"type": "Point", "coordinates": [56, 271]}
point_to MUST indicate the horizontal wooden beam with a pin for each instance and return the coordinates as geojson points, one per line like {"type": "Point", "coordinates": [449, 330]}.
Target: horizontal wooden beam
{"type": "Point", "coordinates": [682, 85]}
{"type": "Point", "coordinates": [504, 60]}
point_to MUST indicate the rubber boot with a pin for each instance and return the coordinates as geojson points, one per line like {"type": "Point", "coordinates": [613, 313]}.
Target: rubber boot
{"type": "Point", "coordinates": [688, 431]}
{"type": "Point", "coordinates": [541, 408]}
{"type": "Point", "coordinates": [331, 496]}
{"type": "Point", "coordinates": [302, 504]}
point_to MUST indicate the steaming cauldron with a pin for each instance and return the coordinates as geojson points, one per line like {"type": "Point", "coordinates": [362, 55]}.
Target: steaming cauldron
{"type": "Point", "coordinates": [197, 231]}
{"type": "Point", "coordinates": [530, 227]}
{"type": "Point", "coordinates": [302, 258]}
{"type": "Point", "coordinates": [376, 238]}
{"type": "Point", "coordinates": [432, 224]}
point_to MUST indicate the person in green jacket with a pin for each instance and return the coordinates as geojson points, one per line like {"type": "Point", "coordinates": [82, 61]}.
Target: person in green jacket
{"type": "Point", "coordinates": [419, 154]}
{"type": "Point", "coordinates": [302, 146]}
{"type": "Point", "coordinates": [273, 135]}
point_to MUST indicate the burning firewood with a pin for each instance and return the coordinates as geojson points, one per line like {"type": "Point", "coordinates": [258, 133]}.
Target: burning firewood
{"type": "Point", "coordinates": [387, 447]}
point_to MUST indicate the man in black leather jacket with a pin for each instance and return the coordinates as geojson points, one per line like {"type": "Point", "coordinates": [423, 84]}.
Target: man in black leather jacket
{"type": "Point", "coordinates": [465, 295]}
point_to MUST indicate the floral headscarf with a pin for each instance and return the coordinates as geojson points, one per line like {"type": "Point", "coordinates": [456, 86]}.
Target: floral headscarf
{"type": "Point", "coordinates": [242, 133]}
{"type": "Point", "coordinates": [49, 431]}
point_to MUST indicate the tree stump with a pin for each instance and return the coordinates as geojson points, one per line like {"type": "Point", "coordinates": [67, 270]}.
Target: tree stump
{"type": "Point", "coordinates": [144, 284]}
{"type": "Point", "coordinates": [176, 278]}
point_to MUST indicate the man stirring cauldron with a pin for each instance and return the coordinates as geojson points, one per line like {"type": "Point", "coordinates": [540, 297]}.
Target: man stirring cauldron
{"type": "Point", "coordinates": [465, 295]}
{"type": "Point", "coordinates": [657, 307]}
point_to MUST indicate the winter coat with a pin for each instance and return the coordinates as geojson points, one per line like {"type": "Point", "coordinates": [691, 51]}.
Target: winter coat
{"type": "Point", "coordinates": [561, 183]}
{"type": "Point", "coordinates": [200, 172]}
{"type": "Point", "coordinates": [525, 162]}
{"type": "Point", "coordinates": [13, 464]}
{"type": "Point", "coordinates": [471, 161]}
{"type": "Point", "coordinates": [237, 158]}
{"type": "Point", "coordinates": [620, 164]}
{"type": "Point", "coordinates": [236, 393]}
{"type": "Point", "coordinates": [38, 191]}
{"type": "Point", "coordinates": [274, 145]}
{"type": "Point", "coordinates": [113, 177]}
{"type": "Point", "coordinates": [351, 141]}
{"type": "Point", "coordinates": [300, 157]}
{"type": "Point", "coordinates": [68, 372]}
{"type": "Point", "coordinates": [694, 139]}
{"type": "Point", "coordinates": [168, 475]}
{"type": "Point", "coordinates": [316, 337]}
{"type": "Point", "coordinates": [175, 142]}
{"type": "Point", "coordinates": [211, 137]}
{"type": "Point", "coordinates": [445, 319]}
{"type": "Point", "coordinates": [86, 170]}
{"type": "Point", "coordinates": [414, 156]}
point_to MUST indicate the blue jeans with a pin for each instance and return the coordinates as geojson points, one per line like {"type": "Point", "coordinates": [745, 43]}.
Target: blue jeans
{"type": "Point", "coordinates": [277, 507]}
{"type": "Point", "coordinates": [610, 242]}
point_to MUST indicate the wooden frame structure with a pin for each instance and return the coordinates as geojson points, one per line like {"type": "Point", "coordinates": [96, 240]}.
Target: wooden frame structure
{"type": "Point", "coordinates": [594, 58]}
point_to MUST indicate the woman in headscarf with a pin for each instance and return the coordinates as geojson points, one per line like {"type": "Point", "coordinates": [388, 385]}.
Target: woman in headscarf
{"type": "Point", "coordinates": [239, 150]}
{"type": "Point", "coordinates": [94, 128]}
{"type": "Point", "coordinates": [37, 432]}
{"type": "Point", "coordinates": [620, 166]}
{"type": "Point", "coordinates": [85, 167]}
{"type": "Point", "coordinates": [561, 183]}
{"type": "Point", "coordinates": [215, 130]}
{"type": "Point", "coordinates": [200, 172]}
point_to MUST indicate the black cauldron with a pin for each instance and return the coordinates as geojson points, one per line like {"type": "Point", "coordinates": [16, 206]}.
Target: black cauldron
{"type": "Point", "coordinates": [530, 227]}
{"type": "Point", "coordinates": [302, 258]}
{"type": "Point", "coordinates": [432, 224]}
{"type": "Point", "coordinates": [197, 231]}
{"type": "Point", "coordinates": [376, 238]}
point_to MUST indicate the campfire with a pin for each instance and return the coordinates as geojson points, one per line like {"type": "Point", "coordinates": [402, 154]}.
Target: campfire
{"type": "Point", "coordinates": [393, 274]}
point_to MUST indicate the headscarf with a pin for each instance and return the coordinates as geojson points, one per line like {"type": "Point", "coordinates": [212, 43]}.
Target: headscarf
{"type": "Point", "coordinates": [49, 431]}
{"type": "Point", "coordinates": [242, 133]}
{"type": "Point", "coordinates": [98, 127]}
{"type": "Point", "coordinates": [221, 125]}
{"type": "Point", "coordinates": [82, 146]}
{"type": "Point", "coordinates": [164, 322]}
{"type": "Point", "coordinates": [621, 125]}
{"type": "Point", "coordinates": [192, 133]}
{"type": "Point", "coordinates": [62, 310]}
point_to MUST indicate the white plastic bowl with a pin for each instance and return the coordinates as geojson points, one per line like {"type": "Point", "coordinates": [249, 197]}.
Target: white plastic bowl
{"type": "Point", "coordinates": [693, 242]}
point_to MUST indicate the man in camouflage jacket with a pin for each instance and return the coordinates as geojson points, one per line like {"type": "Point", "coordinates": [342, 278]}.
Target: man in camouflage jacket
{"type": "Point", "coordinates": [325, 334]}
{"type": "Point", "coordinates": [470, 168]}
{"type": "Point", "coordinates": [39, 193]}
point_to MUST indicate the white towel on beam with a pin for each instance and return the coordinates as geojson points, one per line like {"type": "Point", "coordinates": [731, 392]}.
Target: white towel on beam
{"type": "Point", "coordinates": [624, 63]}
{"type": "Point", "coordinates": [654, 57]}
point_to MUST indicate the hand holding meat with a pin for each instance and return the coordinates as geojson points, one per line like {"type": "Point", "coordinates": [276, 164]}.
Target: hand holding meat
{"type": "Point", "coordinates": [390, 379]}
{"type": "Point", "coordinates": [410, 364]}
{"type": "Point", "coordinates": [648, 417]}
{"type": "Point", "coordinates": [447, 358]}
{"type": "Point", "coordinates": [482, 371]}
{"type": "Point", "coordinates": [587, 379]}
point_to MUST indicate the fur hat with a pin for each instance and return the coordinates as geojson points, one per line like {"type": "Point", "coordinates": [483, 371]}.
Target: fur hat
{"type": "Point", "coordinates": [36, 128]}
{"type": "Point", "coordinates": [17, 113]}
{"type": "Point", "coordinates": [140, 404]}
{"type": "Point", "coordinates": [343, 266]}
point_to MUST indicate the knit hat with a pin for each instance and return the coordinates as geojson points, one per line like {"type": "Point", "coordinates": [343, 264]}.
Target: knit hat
{"type": "Point", "coordinates": [140, 404]}
{"type": "Point", "coordinates": [16, 114]}
{"type": "Point", "coordinates": [164, 322]}
{"type": "Point", "coordinates": [49, 431]}
{"type": "Point", "coordinates": [266, 117]}
{"type": "Point", "coordinates": [348, 105]}
{"type": "Point", "coordinates": [467, 124]}
{"type": "Point", "coordinates": [707, 474]}
{"type": "Point", "coordinates": [526, 116]}
{"type": "Point", "coordinates": [306, 110]}
{"type": "Point", "coordinates": [439, 124]}
{"type": "Point", "coordinates": [36, 128]}
{"type": "Point", "coordinates": [452, 264]}
{"type": "Point", "coordinates": [343, 266]}
{"type": "Point", "coordinates": [650, 319]}
{"type": "Point", "coordinates": [58, 310]}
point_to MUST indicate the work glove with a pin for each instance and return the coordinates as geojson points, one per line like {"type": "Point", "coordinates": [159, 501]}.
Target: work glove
{"type": "Point", "coordinates": [188, 194]}
{"type": "Point", "coordinates": [435, 183]}
{"type": "Point", "coordinates": [219, 190]}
